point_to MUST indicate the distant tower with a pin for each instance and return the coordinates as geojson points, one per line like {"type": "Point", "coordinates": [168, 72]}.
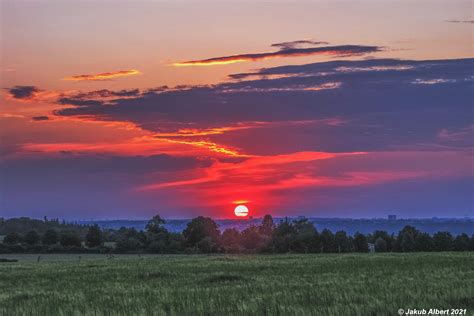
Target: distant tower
{"type": "Point", "coordinates": [392, 217]}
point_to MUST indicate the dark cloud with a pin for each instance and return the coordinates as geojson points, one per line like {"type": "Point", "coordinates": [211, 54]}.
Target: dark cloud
{"type": "Point", "coordinates": [385, 103]}
{"type": "Point", "coordinates": [40, 118]}
{"type": "Point", "coordinates": [342, 50]}
{"type": "Point", "coordinates": [79, 102]}
{"type": "Point", "coordinates": [23, 92]}
{"type": "Point", "coordinates": [97, 97]}
{"type": "Point", "coordinates": [105, 93]}
{"type": "Point", "coordinates": [295, 44]}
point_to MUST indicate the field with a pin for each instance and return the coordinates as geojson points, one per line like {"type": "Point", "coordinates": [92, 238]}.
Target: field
{"type": "Point", "coordinates": [346, 284]}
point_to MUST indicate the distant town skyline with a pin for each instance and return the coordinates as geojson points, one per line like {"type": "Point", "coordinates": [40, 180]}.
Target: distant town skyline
{"type": "Point", "coordinates": [321, 109]}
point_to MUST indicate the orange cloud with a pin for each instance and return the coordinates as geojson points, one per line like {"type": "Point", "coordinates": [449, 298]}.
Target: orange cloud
{"type": "Point", "coordinates": [104, 75]}
{"type": "Point", "coordinates": [211, 146]}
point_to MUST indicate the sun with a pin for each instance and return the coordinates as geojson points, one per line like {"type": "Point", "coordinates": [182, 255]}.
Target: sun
{"type": "Point", "coordinates": [241, 211]}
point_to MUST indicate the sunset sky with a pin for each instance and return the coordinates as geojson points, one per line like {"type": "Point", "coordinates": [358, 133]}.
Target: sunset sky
{"type": "Point", "coordinates": [319, 108]}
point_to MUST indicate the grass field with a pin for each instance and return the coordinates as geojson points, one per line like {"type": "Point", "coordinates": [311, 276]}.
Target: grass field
{"type": "Point", "coordinates": [349, 284]}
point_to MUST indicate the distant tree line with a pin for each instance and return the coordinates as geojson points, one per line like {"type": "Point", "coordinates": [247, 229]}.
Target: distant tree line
{"type": "Point", "coordinates": [202, 235]}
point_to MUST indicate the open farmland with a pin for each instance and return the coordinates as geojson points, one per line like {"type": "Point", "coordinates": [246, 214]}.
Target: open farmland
{"type": "Point", "coordinates": [350, 284]}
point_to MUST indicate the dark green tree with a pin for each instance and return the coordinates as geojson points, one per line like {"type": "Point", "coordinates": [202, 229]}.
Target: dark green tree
{"type": "Point", "coordinates": [94, 236]}
{"type": "Point", "coordinates": [406, 239]}
{"type": "Point", "coordinates": [471, 243]}
{"type": "Point", "coordinates": [360, 243]}
{"type": "Point", "coordinates": [461, 243]}
{"type": "Point", "coordinates": [342, 241]}
{"type": "Point", "coordinates": [32, 238]}
{"type": "Point", "coordinates": [175, 243]}
{"type": "Point", "coordinates": [380, 245]}
{"type": "Point", "coordinates": [328, 243]}
{"type": "Point", "coordinates": [155, 225]}
{"type": "Point", "coordinates": [12, 238]}
{"type": "Point", "coordinates": [424, 242]}
{"type": "Point", "coordinates": [251, 239]}
{"type": "Point", "coordinates": [50, 237]}
{"type": "Point", "coordinates": [200, 228]}
{"type": "Point", "coordinates": [70, 239]}
{"type": "Point", "coordinates": [385, 236]}
{"type": "Point", "coordinates": [157, 235]}
{"type": "Point", "coordinates": [230, 240]}
{"type": "Point", "coordinates": [443, 241]}
{"type": "Point", "coordinates": [282, 236]}
{"type": "Point", "coordinates": [304, 238]}
{"type": "Point", "coordinates": [207, 245]}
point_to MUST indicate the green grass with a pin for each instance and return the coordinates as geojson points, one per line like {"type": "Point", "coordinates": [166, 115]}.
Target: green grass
{"type": "Point", "coordinates": [349, 284]}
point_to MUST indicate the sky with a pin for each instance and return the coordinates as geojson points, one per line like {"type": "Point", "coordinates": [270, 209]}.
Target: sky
{"type": "Point", "coordinates": [184, 108]}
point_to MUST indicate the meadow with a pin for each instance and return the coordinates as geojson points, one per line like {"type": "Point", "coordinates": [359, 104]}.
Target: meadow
{"type": "Point", "coordinates": [319, 284]}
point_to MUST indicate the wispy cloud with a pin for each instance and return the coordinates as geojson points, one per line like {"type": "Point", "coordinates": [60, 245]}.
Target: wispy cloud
{"type": "Point", "coordinates": [460, 21]}
{"type": "Point", "coordinates": [104, 75]}
{"type": "Point", "coordinates": [40, 118]}
{"type": "Point", "coordinates": [299, 43]}
{"type": "Point", "coordinates": [288, 51]}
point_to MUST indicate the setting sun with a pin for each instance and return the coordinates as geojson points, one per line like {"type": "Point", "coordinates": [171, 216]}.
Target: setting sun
{"type": "Point", "coordinates": [241, 211]}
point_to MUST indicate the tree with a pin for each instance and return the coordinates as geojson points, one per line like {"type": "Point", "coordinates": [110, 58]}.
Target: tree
{"type": "Point", "coordinates": [267, 226]}
{"type": "Point", "coordinates": [130, 240]}
{"type": "Point", "coordinates": [200, 228]}
{"type": "Point", "coordinates": [207, 245]}
{"type": "Point", "coordinates": [380, 245]}
{"type": "Point", "coordinates": [342, 241]}
{"type": "Point", "coordinates": [155, 225]}
{"type": "Point", "coordinates": [406, 239]}
{"type": "Point", "coordinates": [328, 243]}
{"type": "Point", "coordinates": [471, 243]}
{"type": "Point", "coordinates": [12, 239]}
{"type": "Point", "coordinates": [251, 238]}
{"type": "Point", "coordinates": [282, 236]}
{"type": "Point", "coordinates": [304, 237]}
{"type": "Point", "coordinates": [230, 240]}
{"type": "Point", "coordinates": [385, 236]}
{"type": "Point", "coordinates": [157, 235]}
{"type": "Point", "coordinates": [461, 243]}
{"type": "Point", "coordinates": [50, 237]}
{"type": "Point", "coordinates": [175, 242]}
{"type": "Point", "coordinates": [94, 236]}
{"type": "Point", "coordinates": [31, 238]}
{"type": "Point", "coordinates": [360, 243]}
{"type": "Point", "coordinates": [443, 241]}
{"type": "Point", "coordinates": [424, 242]}
{"type": "Point", "coordinates": [70, 239]}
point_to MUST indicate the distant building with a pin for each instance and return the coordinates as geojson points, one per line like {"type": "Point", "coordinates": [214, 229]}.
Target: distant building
{"type": "Point", "coordinates": [392, 217]}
